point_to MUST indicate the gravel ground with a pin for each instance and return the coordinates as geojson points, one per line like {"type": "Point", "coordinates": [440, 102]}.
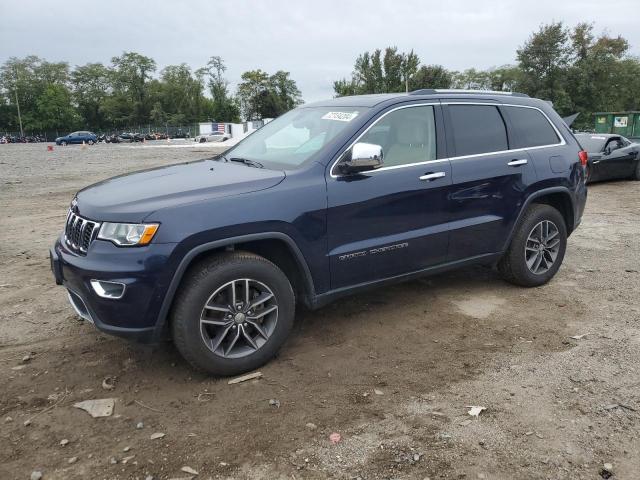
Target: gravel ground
{"type": "Point", "coordinates": [392, 371]}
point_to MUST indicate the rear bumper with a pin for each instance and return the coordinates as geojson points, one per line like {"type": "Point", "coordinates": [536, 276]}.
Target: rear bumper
{"type": "Point", "coordinates": [145, 271]}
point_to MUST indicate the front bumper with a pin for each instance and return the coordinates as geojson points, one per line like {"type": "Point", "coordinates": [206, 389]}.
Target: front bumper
{"type": "Point", "coordinates": [146, 272]}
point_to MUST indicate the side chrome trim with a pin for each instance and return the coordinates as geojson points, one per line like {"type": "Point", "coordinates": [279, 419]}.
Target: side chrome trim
{"type": "Point", "coordinates": [449, 102]}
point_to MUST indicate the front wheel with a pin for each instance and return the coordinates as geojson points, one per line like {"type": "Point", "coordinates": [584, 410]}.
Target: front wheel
{"type": "Point", "coordinates": [233, 313]}
{"type": "Point", "coordinates": [63, 143]}
{"type": "Point", "coordinates": [537, 248]}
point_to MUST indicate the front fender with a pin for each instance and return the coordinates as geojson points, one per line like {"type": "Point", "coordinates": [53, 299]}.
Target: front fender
{"type": "Point", "coordinates": [188, 258]}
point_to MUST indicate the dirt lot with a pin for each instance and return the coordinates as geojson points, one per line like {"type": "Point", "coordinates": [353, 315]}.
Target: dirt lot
{"type": "Point", "coordinates": [393, 371]}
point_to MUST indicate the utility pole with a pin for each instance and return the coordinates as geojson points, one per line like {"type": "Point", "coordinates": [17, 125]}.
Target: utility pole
{"type": "Point", "coordinates": [18, 103]}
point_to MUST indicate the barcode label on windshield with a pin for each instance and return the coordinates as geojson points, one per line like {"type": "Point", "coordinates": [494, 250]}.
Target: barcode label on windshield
{"type": "Point", "coordinates": [340, 116]}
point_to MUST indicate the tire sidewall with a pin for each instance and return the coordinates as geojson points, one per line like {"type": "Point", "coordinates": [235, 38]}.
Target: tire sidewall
{"type": "Point", "coordinates": [186, 317]}
{"type": "Point", "coordinates": [518, 259]}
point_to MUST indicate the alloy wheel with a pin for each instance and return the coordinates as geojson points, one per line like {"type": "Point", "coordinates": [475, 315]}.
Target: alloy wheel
{"type": "Point", "coordinates": [238, 318]}
{"type": "Point", "coordinates": [542, 247]}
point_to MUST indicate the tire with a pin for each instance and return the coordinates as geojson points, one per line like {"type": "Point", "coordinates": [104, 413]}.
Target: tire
{"type": "Point", "coordinates": [514, 266]}
{"type": "Point", "coordinates": [63, 143]}
{"type": "Point", "coordinates": [207, 283]}
{"type": "Point", "coordinates": [90, 142]}
{"type": "Point", "coordinates": [636, 173]}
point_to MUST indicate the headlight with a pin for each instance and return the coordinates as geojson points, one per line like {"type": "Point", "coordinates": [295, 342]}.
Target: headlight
{"type": "Point", "coordinates": [128, 234]}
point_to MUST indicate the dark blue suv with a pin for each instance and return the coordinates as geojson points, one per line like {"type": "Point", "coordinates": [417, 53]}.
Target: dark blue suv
{"type": "Point", "coordinates": [329, 199]}
{"type": "Point", "coordinates": [77, 137]}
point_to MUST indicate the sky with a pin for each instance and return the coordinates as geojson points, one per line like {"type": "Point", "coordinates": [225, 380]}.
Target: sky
{"type": "Point", "coordinates": [317, 41]}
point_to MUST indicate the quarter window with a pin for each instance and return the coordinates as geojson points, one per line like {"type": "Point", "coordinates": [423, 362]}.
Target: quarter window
{"type": "Point", "coordinates": [406, 135]}
{"type": "Point", "coordinates": [477, 129]}
{"type": "Point", "coordinates": [531, 127]}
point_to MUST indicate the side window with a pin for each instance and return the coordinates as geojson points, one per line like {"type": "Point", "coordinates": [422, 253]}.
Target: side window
{"type": "Point", "coordinates": [406, 135]}
{"type": "Point", "coordinates": [477, 129]}
{"type": "Point", "coordinates": [532, 128]}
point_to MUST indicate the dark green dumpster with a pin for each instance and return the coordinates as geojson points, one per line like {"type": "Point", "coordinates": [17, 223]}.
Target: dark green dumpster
{"type": "Point", "coordinates": [626, 124]}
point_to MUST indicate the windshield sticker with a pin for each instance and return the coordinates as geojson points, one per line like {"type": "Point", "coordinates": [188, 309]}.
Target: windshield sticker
{"type": "Point", "coordinates": [340, 116]}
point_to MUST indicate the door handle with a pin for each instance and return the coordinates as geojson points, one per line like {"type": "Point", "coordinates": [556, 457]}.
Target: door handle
{"type": "Point", "coordinates": [517, 163]}
{"type": "Point", "coordinates": [432, 176]}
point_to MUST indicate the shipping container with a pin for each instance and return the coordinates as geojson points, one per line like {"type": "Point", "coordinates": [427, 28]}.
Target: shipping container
{"type": "Point", "coordinates": [626, 124]}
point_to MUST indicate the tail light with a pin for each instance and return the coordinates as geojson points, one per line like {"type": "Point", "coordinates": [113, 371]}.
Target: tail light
{"type": "Point", "coordinates": [583, 158]}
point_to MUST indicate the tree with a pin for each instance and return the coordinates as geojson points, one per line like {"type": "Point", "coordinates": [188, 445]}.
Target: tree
{"type": "Point", "coordinates": [376, 72]}
{"type": "Point", "coordinates": [225, 108]}
{"type": "Point", "coordinates": [264, 96]}
{"type": "Point", "coordinates": [285, 90]}
{"type": "Point", "coordinates": [543, 60]}
{"type": "Point", "coordinates": [431, 76]}
{"type": "Point", "coordinates": [131, 72]}
{"type": "Point", "coordinates": [54, 110]}
{"type": "Point", "coordinates": [91, 85]}
{"type": "Point", "coordinates": [250, 92]}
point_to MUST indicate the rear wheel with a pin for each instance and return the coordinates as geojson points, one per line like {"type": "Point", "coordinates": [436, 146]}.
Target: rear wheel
{"type": "Point", "coordinates": [636, 173]}
{"type": "Point", "coordinates": [232, 313]}
{"type": "Point", "coordinates": [537, 248]}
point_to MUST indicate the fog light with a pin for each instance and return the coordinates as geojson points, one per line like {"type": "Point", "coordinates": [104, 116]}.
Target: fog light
{"type": "Point", "coordinates": [104, 289]}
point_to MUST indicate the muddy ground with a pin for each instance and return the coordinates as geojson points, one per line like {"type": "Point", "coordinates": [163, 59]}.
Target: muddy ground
{"type": "Point", "coordinates": [392, 371]}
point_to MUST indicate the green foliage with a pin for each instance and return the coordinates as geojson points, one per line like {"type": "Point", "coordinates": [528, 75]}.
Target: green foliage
{"type": "Point", "coordinates": [380, 72]}
{"type": "Point", "coordinates": [224, 108]}
{"type": "Point", "coordinates": [573, 68]}
{"type": "Point", "coordinates": [264, 96]}
{"type": "Point", "coordinates": [128, 92]}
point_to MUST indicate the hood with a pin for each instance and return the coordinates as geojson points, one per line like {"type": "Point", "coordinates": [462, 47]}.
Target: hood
{"type": "Point", "coordinates": [132, 197]}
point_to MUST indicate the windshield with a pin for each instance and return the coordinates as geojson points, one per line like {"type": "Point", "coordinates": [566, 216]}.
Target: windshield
{"type": "Point", "coordinates": [591, 143]}
{"type": "Point", "coordinates": [291, 139]}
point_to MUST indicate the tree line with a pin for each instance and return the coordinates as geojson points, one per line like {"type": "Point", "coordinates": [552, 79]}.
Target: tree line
{"type": "Point", "coordinates": [53, 96]}
{"type": "Point", "coordinates": [572, 67]}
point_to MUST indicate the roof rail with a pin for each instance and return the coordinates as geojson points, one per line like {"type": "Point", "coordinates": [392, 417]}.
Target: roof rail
{"type": "Point", "coordinates": [435, 91]}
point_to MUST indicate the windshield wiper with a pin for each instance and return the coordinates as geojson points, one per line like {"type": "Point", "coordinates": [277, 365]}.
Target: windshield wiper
{"type": "Point", "coordinates": [246, 161]}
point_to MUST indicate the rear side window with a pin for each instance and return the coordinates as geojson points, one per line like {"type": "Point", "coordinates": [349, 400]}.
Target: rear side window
{"type": "Point", "coordinates": [477, 129]}
{"type": "Point", "coordinates": [532, 128]}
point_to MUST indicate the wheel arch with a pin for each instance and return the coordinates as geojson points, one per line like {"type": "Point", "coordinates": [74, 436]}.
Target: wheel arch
{"type": "Point", "coordinates": [276, 247]}
{"type": "Point", "coordinates": [557, 197]}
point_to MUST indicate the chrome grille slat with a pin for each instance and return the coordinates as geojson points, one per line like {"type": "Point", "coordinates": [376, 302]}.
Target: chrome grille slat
{"type": "Point", "coordinates": [79, 232]}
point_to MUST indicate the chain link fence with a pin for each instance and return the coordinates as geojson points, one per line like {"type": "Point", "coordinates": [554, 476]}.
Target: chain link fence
{"type": "Point", "coordinates": [172, 131]}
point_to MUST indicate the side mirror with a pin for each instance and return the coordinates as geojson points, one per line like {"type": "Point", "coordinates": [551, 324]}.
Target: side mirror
{"type": "Point", "coordinates": [361, 158]}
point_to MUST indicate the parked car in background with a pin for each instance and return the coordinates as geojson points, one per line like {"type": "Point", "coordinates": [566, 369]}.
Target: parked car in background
{"type": "Point", "coordinates": [78, 137]}
{"type": "Point", "coordinates": [610, 156]}
{"type": "Point", "coordinates": [326, 200]}
{"type": "Point", "coordinates": [180, 134]}
{"type": "Point", "coordinates": [213, 137]}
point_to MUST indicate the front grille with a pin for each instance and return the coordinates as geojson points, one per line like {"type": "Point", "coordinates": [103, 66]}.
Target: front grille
{"type": "Point", "coordinates": [79, 232]}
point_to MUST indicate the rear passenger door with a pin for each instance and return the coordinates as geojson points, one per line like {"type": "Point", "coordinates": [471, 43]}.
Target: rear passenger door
{"type": "Point", "coordinates": [489, 180]}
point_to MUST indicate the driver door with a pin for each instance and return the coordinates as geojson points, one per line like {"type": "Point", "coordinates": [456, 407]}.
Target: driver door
{"type": "Point", "coordinates": [616, 160]}
{"type": "Point", "coordinates": [393, 220]}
